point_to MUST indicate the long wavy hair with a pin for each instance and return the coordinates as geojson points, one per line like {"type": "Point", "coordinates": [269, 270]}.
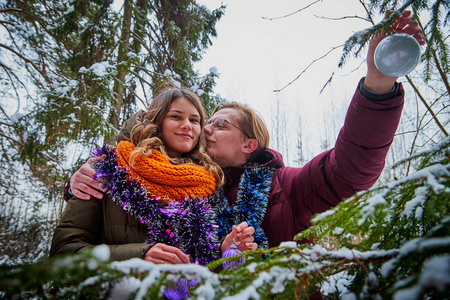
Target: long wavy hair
{"type": "Point", "coordinates": [146, 135]}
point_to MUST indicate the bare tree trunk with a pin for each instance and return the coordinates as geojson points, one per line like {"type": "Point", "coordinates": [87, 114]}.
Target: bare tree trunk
{"type": "Point", "coordinates": [119, 88]}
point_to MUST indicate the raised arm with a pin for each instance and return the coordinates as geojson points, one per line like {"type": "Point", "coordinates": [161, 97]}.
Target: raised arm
{"type": "Point", "coordinates": [359, 154]}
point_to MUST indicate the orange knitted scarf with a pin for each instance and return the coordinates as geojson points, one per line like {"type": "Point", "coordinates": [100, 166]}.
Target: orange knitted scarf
{"type": "Point", "coordinates": [162, 178]}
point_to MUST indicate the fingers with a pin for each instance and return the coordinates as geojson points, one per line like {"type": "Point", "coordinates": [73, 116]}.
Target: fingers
{"type": "Point", "coordinates": [164, 254]}
{"type": "Point", "coordinates": [83, 184]}
{"type": "Point", "coordinates": [248, 247]}
{"type": "Point", "coordinates": [405, 24]}
{"type": "Point", "coordinates": [243, 238]}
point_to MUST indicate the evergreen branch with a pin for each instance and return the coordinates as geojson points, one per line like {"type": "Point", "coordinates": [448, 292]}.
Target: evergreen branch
{"type": "Point", "coordinates": [12, 74]}
{"type": "Point", "coordinates": [28, 61]}
{"type": "Point", "coordinates": [361, 38]}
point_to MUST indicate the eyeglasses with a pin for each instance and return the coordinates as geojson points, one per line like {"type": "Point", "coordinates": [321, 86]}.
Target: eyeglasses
{"type": "Point", "coordinates": [217, 124]}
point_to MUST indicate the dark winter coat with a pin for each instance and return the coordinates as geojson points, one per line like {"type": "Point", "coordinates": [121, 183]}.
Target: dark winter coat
{"type": "Point", "coordinates": [354, 164]}
{"type": "Point", "coordinates": [86, 223]}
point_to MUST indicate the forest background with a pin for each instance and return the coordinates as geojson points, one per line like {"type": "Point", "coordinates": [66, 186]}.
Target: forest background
{"type": "Point", "coordinates": [73, 71]}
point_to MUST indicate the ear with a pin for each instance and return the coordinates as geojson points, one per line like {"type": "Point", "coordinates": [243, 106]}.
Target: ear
{"type": "Point", "coordinates": [250, 146]}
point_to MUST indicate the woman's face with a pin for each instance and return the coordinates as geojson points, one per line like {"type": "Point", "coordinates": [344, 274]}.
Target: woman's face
{"type": "Point", "coordinates": [180, 128]}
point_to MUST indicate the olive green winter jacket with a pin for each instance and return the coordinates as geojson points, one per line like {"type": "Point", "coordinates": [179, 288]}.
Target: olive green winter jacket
{"type": "Point", "coordinates": [99, 221]}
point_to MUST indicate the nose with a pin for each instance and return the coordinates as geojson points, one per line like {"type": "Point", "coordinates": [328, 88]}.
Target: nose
{"type": "Point", "coordinates": [208, 129]}
{"type": "Point", "coordinates": [186, 124]}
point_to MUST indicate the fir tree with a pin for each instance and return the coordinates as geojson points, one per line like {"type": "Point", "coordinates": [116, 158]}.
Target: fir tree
{"type": "Point", "coordinates": [73, 71]}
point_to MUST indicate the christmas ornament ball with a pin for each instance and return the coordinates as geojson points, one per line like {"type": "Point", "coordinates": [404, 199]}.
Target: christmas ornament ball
{"type": "Point", "coordinates": [397, 55]}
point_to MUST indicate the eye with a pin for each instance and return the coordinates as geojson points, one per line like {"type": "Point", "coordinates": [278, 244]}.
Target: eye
{"type": "Point", "coordinates": [195, 121]}
{"type": "Point", "coordinates": [175, 117]}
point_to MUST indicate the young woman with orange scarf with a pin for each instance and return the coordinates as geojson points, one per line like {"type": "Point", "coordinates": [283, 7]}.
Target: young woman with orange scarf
{"type": "Point", "coordinates": [158, 189]}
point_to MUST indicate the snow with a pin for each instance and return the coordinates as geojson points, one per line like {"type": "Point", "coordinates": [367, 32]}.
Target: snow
{"type": "Point", "coordinates": [336, 283]}
{"type": "Point", "coordinates": [359, 35]}
{"type": "Point", "coordinates": [415, 205]}
{"type": "Point", "coordinates": [214, 71]}
{"type": "Point", "coordinates": [280, 275]}
{"type": "Point", "coordinates": [205, 291]}
{"type": "Point", "coordinates": [194, 88]}
{"type": "Point", "coordinates": [435, 273]}
{"type": "Point", "coordinates": [338, 230]}
{"type": "Point", "coordinates": [63, 89]}
{"type": "Point", "coordinates": [124, 288]}
{"type": "Point", "coordinates": [91, 281]}
{"type": "Point", "coordinates": [350, 296]}
{"type": "Point", "coordinates": [370, 206]}
{"type": "Point", "coordinates": [251, 291]}
{"type": "Point", "coordinates": [252, 267]}
{"type": "Point", "coordinates": [289, 244]}
{"type": "Point", "coordinates": [176, 83]}
{"type": "Point", "coordinates": [413, 246]}
{"type": "Point", "coordinates": [15, 117]}
{"type": "Point", "coordinates": [100, 69]}
{"type": "Point", "coordinates": [316, 252]}
{"type": "Point", "coordinates": [101, 252]}
{"type": "Point", "coordinates": [430, 173]}
{"type": "Point", "coordinates": [69, 10]}
{"type": "Point", "coordinates": [322, 216]}
{"type": "Point", "coordinates": [146, 283]}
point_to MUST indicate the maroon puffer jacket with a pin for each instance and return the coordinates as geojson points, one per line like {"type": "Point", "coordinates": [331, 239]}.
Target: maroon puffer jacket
{"type": "Point", "coordinates": [353, 165]}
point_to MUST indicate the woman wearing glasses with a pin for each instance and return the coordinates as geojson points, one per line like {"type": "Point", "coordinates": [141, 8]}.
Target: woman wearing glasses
{"type": "Point", "coordinates": [158, 185]}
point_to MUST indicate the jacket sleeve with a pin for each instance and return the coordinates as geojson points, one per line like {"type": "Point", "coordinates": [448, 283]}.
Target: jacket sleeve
{"type": "Point", "coordinates": [354, 164]}
{"type": "Point", "coordinates": [81, 227]}
{"type": "Point", "coordinates": [124, 135]}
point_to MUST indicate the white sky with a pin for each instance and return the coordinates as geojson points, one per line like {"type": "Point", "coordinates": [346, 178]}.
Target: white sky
{"type": "Point", "coordinates": [255, 56]}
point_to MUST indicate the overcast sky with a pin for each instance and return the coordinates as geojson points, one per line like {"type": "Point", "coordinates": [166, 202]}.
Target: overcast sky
{"type": "Point", "coordinates": [256, 56]}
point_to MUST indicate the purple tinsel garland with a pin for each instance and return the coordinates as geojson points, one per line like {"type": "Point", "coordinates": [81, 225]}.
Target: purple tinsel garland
{"type": "Point", "coordinates": [189, 224]}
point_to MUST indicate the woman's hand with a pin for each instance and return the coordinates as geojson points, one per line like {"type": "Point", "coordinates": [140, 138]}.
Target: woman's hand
{"type": "Point", "coordinates": [243, 238]}
{"type": "Point", "coordinates": [165, 254]}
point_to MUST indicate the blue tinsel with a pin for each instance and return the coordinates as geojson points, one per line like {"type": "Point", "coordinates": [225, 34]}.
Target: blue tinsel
{"type": "Point", "coordinates": [189, 224]}
{"type": "Point", "coordinates": [251, 204]}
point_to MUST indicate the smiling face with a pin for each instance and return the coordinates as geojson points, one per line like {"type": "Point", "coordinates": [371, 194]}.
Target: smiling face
{"type": "Point", "coordinates": [226, 146]}
{"type": "Point", "coordinates": [180, 128]}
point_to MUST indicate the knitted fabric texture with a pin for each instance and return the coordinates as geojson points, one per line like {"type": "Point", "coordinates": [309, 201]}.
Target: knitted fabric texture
{"type": "Point", "coordinates": [163, 179]}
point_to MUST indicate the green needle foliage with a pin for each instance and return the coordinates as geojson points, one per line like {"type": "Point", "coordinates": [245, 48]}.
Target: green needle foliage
{"type": "Point", "coordinates": [71, 72]}
{"type": "Point", "coordinates": [437, 48]}
{"type": "Point", "coordinates": [390, 242]}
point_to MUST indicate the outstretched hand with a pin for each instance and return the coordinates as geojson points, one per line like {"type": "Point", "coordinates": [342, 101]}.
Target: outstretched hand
{"type": "Point", "coordinates": [82, 182]}
{"type": "Point", "coordinates": [376, 81]}
{"type": "Point", "coordinates": [243, 238]}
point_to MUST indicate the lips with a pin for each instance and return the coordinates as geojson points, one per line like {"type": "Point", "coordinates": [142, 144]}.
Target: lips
{"type": "Point", "coordinates": [184, 135]}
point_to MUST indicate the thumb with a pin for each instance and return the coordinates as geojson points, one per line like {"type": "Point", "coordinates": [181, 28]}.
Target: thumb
{"type": "Point", "coordinates": [228, 240]}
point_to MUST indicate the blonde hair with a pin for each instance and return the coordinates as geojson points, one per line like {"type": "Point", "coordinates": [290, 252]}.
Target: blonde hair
{"type": "Point", "coordinates": [251, 123]}
{"type": "Point", "coordinates": [145, 135]}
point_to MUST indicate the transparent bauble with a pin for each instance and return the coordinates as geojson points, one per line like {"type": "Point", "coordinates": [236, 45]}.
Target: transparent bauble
{"type": "Point", "coordinates": [397, 55]}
